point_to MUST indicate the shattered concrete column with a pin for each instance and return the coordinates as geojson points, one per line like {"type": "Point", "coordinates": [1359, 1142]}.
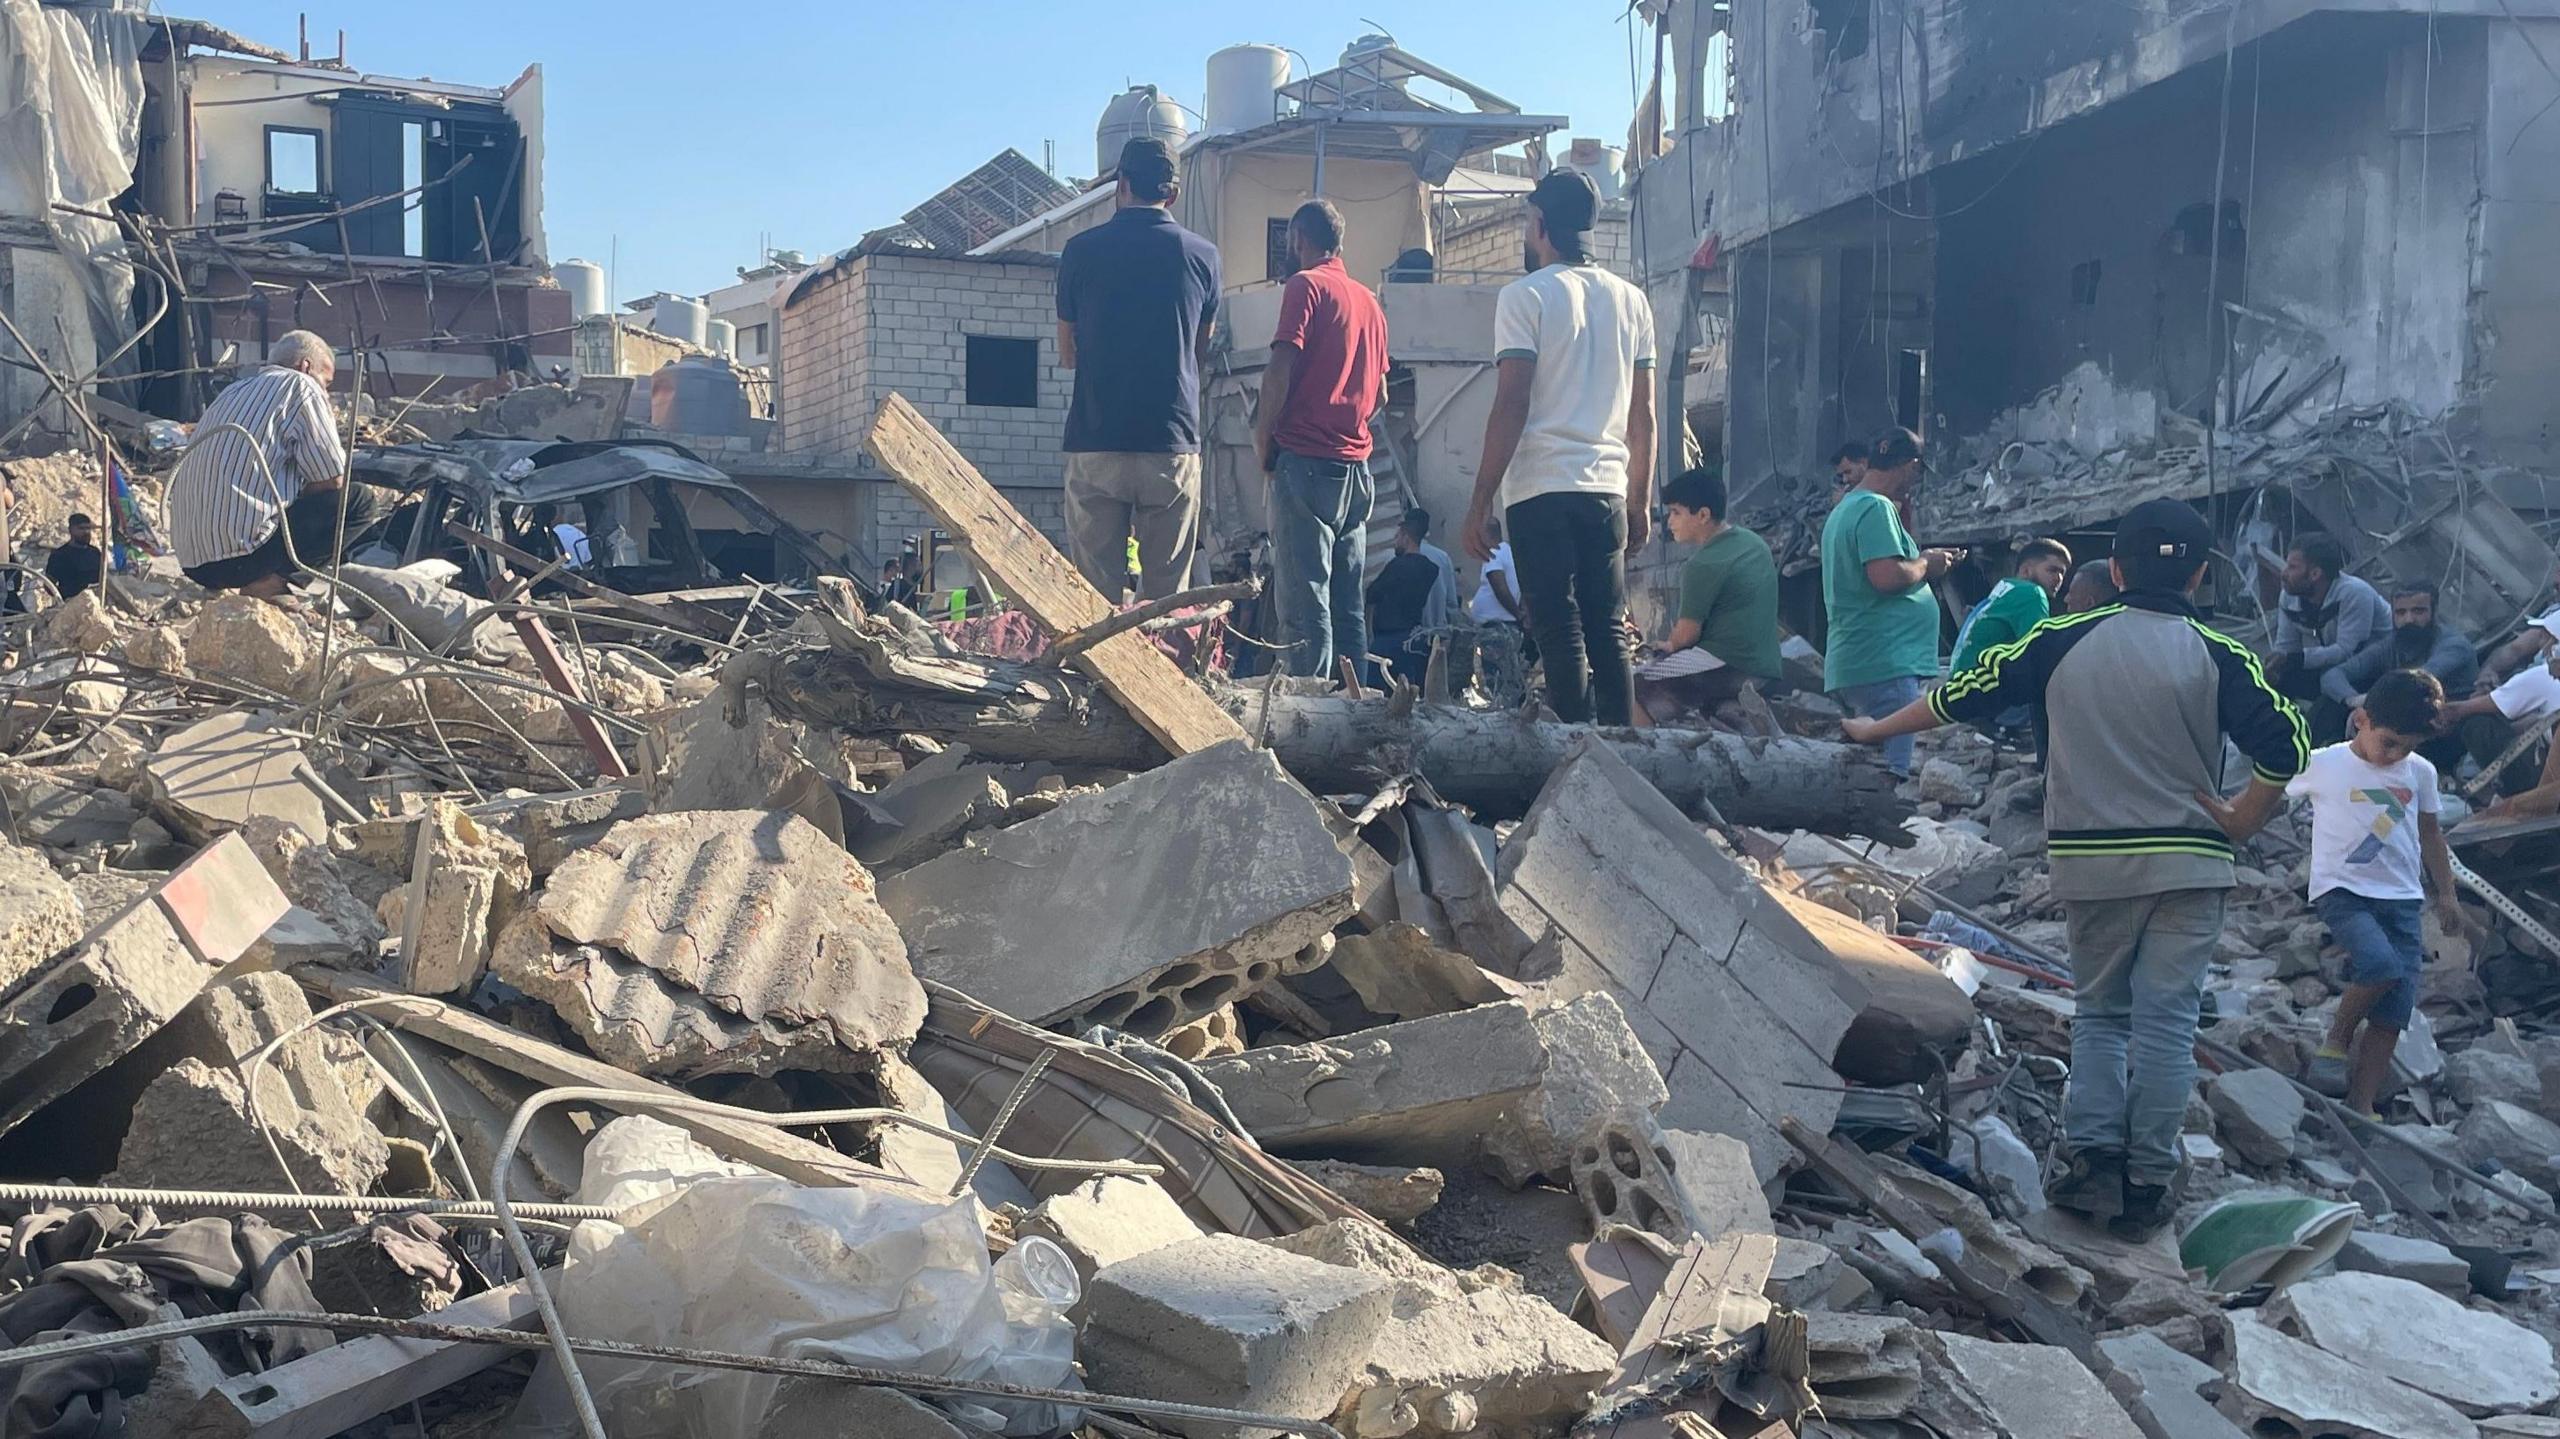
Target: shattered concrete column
{"type": "Point", "coordinates": [464, 886]}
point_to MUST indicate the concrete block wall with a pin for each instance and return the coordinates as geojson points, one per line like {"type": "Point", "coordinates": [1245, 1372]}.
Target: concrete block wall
{"type": "Point", "coordinates": [1488, 244]}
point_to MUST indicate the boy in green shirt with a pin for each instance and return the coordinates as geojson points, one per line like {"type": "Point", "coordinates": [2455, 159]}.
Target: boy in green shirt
{"type": "Point", "coordinates": [1727, 633]}
{"type": "Point", "coordinates": [2014, 606]}
{"type": "Point", "coordinates": [1875, 590]}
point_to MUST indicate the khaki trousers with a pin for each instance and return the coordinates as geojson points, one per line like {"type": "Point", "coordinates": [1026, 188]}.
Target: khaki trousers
{"type": "Point", "coordinates": [1113, 495]}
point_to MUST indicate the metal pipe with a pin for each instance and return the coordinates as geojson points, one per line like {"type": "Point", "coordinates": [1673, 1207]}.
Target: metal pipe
{"type": "Point", "coordinates": [658, 1354]}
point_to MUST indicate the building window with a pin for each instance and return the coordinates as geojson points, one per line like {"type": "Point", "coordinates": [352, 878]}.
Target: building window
{"type": "Point", "coordinates": [2084, 283]}
{"type": "Point", "coordinates": [1277, 262]}
{"type": "Point", "coordinates": [751, 339]}
{"type": "Point", "coordinates": [1003, 372]}
{"type": "Point", "coordinates": [293, 161]}
{"type": "Point", "coordinates": [1845, 21]}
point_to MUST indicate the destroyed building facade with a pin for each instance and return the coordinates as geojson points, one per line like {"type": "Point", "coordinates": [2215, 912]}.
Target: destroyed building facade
{"type": "Point", "coordinates": [1933, 215]}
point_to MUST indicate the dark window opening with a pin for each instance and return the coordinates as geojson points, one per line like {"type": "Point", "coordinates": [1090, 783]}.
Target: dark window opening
{"type": "Point", "coordinates": [457, 169]}
{"type": "Point", "coordinates": [2084, 283]}
{"type": "Point", "coordinates": [1911, 390]}
{"type": "Point", "coordinates": [293, 161]}
{"type": "Point", "coordinates": [1846, 23]}
{"type": "Point", "coordinates": [1277, 261]}
{"type": "Point", "coordinates": [2192, 232]}
{"type": "Point", "coordinates": [1003, 372]}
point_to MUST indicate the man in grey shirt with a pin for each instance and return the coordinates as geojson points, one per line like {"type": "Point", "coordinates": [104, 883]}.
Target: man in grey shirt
{"type": "Point", "coordinates": [2326, 616]}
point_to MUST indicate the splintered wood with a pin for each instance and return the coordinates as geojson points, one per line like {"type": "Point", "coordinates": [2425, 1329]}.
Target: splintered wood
{"type": "Point", "coordinates": [1031, 572]}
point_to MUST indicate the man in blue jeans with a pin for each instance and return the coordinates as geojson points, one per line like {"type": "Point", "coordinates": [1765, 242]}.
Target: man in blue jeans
{"type": "Point", "coordinates": [1326, 377]}
{"type": "Point", "coordinates": [1875, 589]}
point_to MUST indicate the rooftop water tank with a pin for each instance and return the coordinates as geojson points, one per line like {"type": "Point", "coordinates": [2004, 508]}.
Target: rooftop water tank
{"type": "Point", "coordinates": [687, 320]}
{"type": "Point", "coordinates": [1369, 44]}
{"type": "Point", "coordinates": [721, 338]}
{"type": "Point", "coordinates": [1244, 87]}
{"type": "Point", "coordinates": [697, 395]}
{"type": "Point", "coordinates": [584, 280]}
{"type": "Point", "coordinates": [1137, 111]}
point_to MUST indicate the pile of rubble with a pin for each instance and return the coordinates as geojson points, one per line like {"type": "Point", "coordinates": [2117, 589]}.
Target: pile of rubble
{"type": "Point", "coordinates": [932, 1044]}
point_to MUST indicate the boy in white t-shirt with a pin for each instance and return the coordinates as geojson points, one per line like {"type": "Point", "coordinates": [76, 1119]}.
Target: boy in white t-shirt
{"type": "Point", "coordinates": [2375, 842]}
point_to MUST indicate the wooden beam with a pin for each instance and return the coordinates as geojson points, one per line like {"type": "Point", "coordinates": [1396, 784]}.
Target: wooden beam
{"type": "Point", "coordinates": [780, 1151]}
{"type": "Point", "coordinates": [346, 1384]}
{"type": "Point", "coordinates": [1030, 570]}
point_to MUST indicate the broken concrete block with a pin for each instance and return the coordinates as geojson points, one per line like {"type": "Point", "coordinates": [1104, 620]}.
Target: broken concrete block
{"type": "Point", "coordinates": [2516, 1138]}
{"type": "Point", "coordinates": [925, 811]}
{"type": "Point", "coordinates": [1212, 1036]}
{"type": "Point", "coordinates": [2478, 1362]}
{"type": "Point", "coordinates": [2479, 1074]}
{"type": "Point", "coordinates": [82, 623]}
{"type": "Point", "coordinates": [1066, 915]}
{"type": "Point", "coordinates": [1914, 1020]}
{"type": "Point", "coordinates": [240, 637]}
{"type": "Point", "coordinates": [307, 870]}
{"type": "Point", "coordinates": [464, 885]}
{"type": "Point", "coordinates": [2173, 1386]}
{"type": "Point", "coordinates": [215, 775]}
{"type": "Point", "coordinates": [1596, 1069]}
{"type": "Point", "coordinates": [1399, 971]}
{"type": "Point", "coordinates": [2420, 1261]}
{"type": "Point", "coordinates": [1387, 1192]}
{"type": "Point", "coordinates": [1227, 1322]}
{"type": "Point", "coordinates": [1804, 1275]}
{"type": "Point", "coordinates": [1465, 1353]}
{"type": "Point", "coordinates": [717, 941]}
{"type": "Point", "coordinates": [2037, 1389]}
{"type": "Point", "coordinates": [1671, 1183]}
{"type": "Point", "coordinates": [1741, 1008]}
{"type": "Point", "coordinates": [1425, 1089]}
{"type": "Point", "coordinates": [2257, 1112]}
{"type": "Point", "coordinates": [1103, 1221]}
{"type": "Point", "coordinates": [1864, 1366]}
{"type": "Point", "coordinates": [195, 1128]}
{"type": "Point", "coordinates": [2279, 1379]}
{"type": "Point", "coordinates": [39, 914]}
{"type": "Point", "coordinates": [63, 1021]}
{"type": "Point", "coordinates": [53, 813]}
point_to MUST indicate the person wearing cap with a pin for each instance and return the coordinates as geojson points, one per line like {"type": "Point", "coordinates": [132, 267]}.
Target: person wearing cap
{"type": "Point", "coordinates": [1327, 376]}
{"type": "Point", "coordinates": [77, 565]}
{"type": "Point", "coordinates": [1883, 617]}
{"type": "Point", "coordinates": [1137, 304]}
{"type": "Point", "coordinates": [2132, 703]}
{"type": "Point", "coordinates": [1569, 450]}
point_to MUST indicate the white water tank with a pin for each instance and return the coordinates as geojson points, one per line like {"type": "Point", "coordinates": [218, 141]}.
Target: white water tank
{"type": "Point", "coordinates": [1244, 87]}
{"type": "Point", "coordinates": [721, 338]}
{"type": "Point", "coordinates": [1138, 111]}
{"type": "Point", "coordinates": [687, 320]}
{"type": "Point", "coordinates": [584, 280]}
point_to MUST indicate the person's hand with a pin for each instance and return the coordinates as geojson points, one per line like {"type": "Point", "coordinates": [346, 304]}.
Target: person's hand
{"type": "Point", "coordinates": [1858, 730]}
{"type": "Point", "coordinates": [1270, 457]}
{"type": "Point", "coordinates": [1938, 561]}
{"type": "Point", "coordinates": [1639, 528]}
{"type": "Point", "coordinates": [2455, 919]}
{"type": "Point", "coordinates": [1477, 534]}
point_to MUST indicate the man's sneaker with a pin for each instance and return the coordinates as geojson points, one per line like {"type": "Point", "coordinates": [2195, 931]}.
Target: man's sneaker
{"type": "Point", "coordinates": [2148, 1208]}
{"type": "Point", "coordinates": [2327, 1074]}
{"type": "Point", "coordinates": [2089, 1184]}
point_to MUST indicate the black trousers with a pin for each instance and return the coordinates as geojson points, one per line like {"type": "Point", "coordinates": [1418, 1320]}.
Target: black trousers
{"type": "Point", "coordinates": [313, 519]}
{"type": "Point", "coordinates": [1571, 552]}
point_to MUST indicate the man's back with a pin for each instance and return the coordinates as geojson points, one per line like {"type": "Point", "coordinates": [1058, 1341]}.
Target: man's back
{"type": "Point", "coordinates": [260, 441]}
{"type": "Point", "coordinates": [1138, 289]}
{"type": "Point", "coordinates": [1341, 334]}
{"type": "Point", "coordinates": [1401, 591]}
{"type": "Point", "coordinates": [1589, 332]}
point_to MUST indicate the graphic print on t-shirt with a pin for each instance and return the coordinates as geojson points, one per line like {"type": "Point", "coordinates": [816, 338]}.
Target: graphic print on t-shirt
{"type": "Point", "coordinates": [2394, 806]}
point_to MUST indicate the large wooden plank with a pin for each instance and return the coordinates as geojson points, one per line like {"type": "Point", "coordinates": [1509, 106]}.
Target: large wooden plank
{"type": "Point", "coordinates": [1035, 576]}
{"type": "Point", "coordinates": [346, 1384]}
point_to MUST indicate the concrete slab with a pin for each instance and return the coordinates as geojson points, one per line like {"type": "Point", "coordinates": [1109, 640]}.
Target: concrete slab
{"type": "Point", "coordinates": [1104, 1221]}
{"type": "Point", "coordinates": [211, 777]}
{"type": "Point", "coordinates": [1399, 971]}
{"type": "Point", "coordinates": [2478, 1362]}
{"type": "Point", "coordinates": [1864, 1366]}
{"type": "Point", "coordinates": [39, 914]}
{"type": "Point", "coordinates": [2173, 1387]}
{"type": "Point", "coordinates": [2258, 1113]}
{"type": "Point", "coordinates": [2516, 1138]}
{"type": "Point", "coordinates": [2279, 1379]}
{"type": "Point", "coordinates": [2420, 1261]}
{"type": "Point", "coordinates": [2037, 1389]}
{"type": "Point", "coordinates": [53, 812]}
{"type": "Point", "coordinates": [1425, 1090]}
{"type": "Point", "coordinates": [1229, 1322]}
{"type": "Point", "coordinates": [196, 1128]}
{"type": "Point", "coordinates": [1064, 915]}
{"type": "Point", "coordinates": [1597, 1069]}
{"type": "Point", "coordinates": [1740, 1006]}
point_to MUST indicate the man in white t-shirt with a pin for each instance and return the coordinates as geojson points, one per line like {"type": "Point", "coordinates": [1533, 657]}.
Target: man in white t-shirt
{"type": "Point", "coordinates": [2375, 842]}
{"type": "Point", "coordinates": [1502, 660]}
{"type": "Point", "coordinates": [1568, 450]}
{"type": "Point", "coordinates": [2517, 692]}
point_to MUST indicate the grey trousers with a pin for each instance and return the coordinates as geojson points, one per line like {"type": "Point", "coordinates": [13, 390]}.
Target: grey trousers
{"type": "Point", "coordinates": [1112, 496]}
{"type": "Point", "coordinates": [2137, 970]}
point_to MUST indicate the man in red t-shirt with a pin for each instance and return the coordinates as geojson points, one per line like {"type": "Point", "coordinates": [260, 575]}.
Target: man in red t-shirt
{"type": "Point", "coordinates": [1326, 377]}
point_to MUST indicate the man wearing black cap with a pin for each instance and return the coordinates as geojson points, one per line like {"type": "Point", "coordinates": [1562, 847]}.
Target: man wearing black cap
{"type": "Point", "coordinates": [1137, 302]}
{"type": "Point", "coordinates": [76, 565]}
{"type": "Point", "coordinates": [2133, 700]}
{"type": "Point", "coordinates": [1569, 449]}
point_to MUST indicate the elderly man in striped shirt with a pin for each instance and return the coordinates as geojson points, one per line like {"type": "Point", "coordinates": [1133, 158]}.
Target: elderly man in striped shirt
{"type": "Point", "coordinates": [265, 465]}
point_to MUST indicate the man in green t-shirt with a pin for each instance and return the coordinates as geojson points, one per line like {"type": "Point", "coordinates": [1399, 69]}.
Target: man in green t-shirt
{"type": "Point", "coordinates": [2014, 606]}
{"type": "Point", "coordinates": [1875, 588]}
{"type": "Point", "coordinates": [1727, 633]}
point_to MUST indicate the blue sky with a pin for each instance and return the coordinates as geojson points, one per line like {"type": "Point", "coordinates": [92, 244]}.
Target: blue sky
{"type": "Point", "coordinates": [687, 132]}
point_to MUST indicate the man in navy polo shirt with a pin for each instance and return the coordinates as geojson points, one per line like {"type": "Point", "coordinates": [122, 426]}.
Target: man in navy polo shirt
{"type": "Point", "coordinates": [1137, 303]}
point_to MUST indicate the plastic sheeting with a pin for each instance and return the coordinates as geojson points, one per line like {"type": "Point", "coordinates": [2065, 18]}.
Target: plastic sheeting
{"type": "Point", "coordinates": [70, 133]}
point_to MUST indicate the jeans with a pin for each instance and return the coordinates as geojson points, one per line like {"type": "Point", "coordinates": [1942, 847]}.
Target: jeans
{"type": "Point", "coordinates": [1319, 547]}
{"type": "Point", "coordinates": [2137, 969]}
{"type": "Point", "coordinates": [1397, 648]}
{"type": "Point", "coordinates": [1570, 549]}
{"type": "Point", "coordinates": [1111, 497]}
{"type": "Point", "coordinates": [2386, 943]}
{"type": "Point", "coordinates": [1878, 698]}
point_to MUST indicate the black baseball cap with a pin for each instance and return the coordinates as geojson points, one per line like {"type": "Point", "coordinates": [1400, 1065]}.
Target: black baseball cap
{"type": "Point", "coordinates": [1147, 164]}
{"type": "Point", "coordinates": [1567, 201]}
{"type": "Point", "coordinates": [2164, 529]}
